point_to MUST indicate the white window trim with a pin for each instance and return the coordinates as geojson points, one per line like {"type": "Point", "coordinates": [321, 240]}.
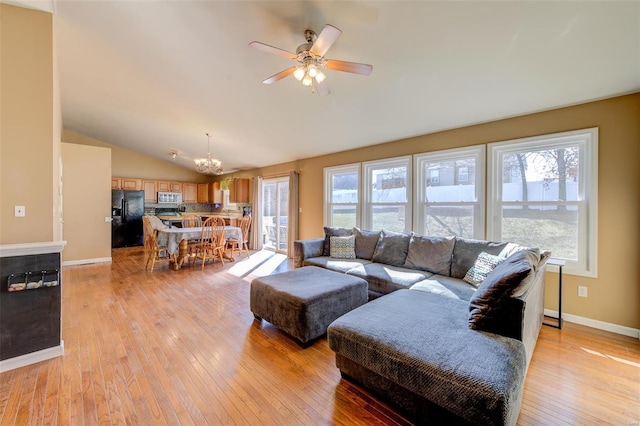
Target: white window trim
{"type": "Point", "coordinates": [367, 203]}
{"type": "Point", "coordinates": [477, 151]}
{"type": "Point", "coordinates": [587, 190]}
{"type": "Point", "coordinates": [328, 191]}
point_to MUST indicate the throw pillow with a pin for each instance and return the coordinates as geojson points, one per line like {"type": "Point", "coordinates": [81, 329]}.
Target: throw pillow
{"type": "Point", "coordinates": [333, 232]}
{"type": "Point", "coordinates": [431, 254]}
{"type": "Point", "coordinates": [489, 306]}
{"type": "Point", "coordinates": [466, 251]}
{"type": "Point", "coordinates": [392, 248]}
{"type": "Point", "coordinates": [485, 263]}
{"type": "Point", "coordinates": [343, 247]}
{"type": "Point", "coordinates": [366, 242]}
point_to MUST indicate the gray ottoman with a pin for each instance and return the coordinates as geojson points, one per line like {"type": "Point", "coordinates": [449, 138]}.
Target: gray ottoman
{"type": "Point", "coordinates": [304, 301]}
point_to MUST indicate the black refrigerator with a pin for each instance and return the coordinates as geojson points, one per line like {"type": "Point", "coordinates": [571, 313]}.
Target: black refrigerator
{"type": "Point", "coordinates": [127, 208]}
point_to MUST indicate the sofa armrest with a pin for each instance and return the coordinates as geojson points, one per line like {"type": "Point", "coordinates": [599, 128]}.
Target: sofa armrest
{"type": "Point", "coordinates": [533, 313]}
{"type": "Point", "coordinates": [304, 249]}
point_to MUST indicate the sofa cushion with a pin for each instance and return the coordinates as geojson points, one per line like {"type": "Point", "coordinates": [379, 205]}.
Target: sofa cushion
{"type": "Point", "coordinates": [343, 247]}
{"type": "Point", "coordinates": [392, 248]}
{"type": "Point", "coordinates": [366, 242]}
{"type": "Point", "coordinates": [430, 351]}
{"type": "Point", "coordinates": [333, 232]}
{"type": "Point", "coordinates": [484, 264]}
{"type": "Point", "coordinates": [431, 254]}
{"type": "Point", "coordinates": [338, 265]}
{"type": "Point", "coordinates": [488, 304]}
{"type": "Point", "coordinates": [446, 286]}
{"type": "Point", "coordinates": [387, 278]}
{"type": "Point", "coordinates": [466, 251]}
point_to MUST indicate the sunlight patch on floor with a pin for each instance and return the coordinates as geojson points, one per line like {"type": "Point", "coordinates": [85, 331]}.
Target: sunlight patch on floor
{"type": "Point", "coordinates": [624, 361]}
{"type": "Point", "coordinates": [260, 263]}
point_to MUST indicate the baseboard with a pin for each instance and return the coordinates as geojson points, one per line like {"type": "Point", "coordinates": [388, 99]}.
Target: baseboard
{"type": "Point", "coordinates": [600, 325]}
{"type": "Point", "coordinates": [86, 261]}
{"type": "Point", "coordinates": [32, 358]}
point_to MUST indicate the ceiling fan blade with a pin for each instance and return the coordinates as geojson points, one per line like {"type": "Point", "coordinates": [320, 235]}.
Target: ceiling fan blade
{"type": "Point", "coordinates": [325, 40]}
{"type": "Point", "coordinates": [280, 75]}
{"type": "Point", "coordinates": [322, 88]}
{"type": "Point", "coordinates": [271, 49]}
{"type": "Point", "coordinates": [354, 67]}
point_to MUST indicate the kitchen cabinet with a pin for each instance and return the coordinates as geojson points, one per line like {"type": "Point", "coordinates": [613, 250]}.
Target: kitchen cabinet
{"type": "Point", "coordinates": [239, 191]}
{"type": "Point", "coordinates": [168, 186]}
{"type": "Point", "coordinates": [217, 193]}
{"type": "Point", "coordinates": [150, 189]}
{"type": "Point", "coordinates": [204, 194]}
{"type": "Point", "coordinates": [163, 186]}
{"type": "Point", "coordinates": [129, 184]}
{"type": "Point", "coordinates": [189, 193]}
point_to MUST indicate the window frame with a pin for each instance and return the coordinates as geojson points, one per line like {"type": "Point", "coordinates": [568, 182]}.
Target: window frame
{"type": "Point", "coordinates": [453, 154]}
{"type": "Point", "coordinates": [328, 191]}
{"type": "Point", "coordinates": [587, 203]}
{"type": "Point", "coordinates": [367, 189]}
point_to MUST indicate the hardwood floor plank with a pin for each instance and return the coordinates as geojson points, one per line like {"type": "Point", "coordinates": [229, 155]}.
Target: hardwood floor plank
{"type": "Point", "coordinates": [182, 348]}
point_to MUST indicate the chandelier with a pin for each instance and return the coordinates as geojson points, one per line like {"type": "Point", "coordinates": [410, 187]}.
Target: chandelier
{"type": "Point", "coordinates": [208, 166]}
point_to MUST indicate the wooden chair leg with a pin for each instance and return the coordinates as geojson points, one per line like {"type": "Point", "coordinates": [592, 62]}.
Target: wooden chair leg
{"type": "Point", "coordinates": [153, 261]}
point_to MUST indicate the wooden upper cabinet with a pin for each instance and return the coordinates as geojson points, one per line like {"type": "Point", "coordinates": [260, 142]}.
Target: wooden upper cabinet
{"type": "Point", "coordinates": [129, 184]}
{"type": "Point", "coordinates": [163, 186]}
{"type": "Point", "coordinates": [216, 193]}
{"type": "Point", "coordinates": [150, 189]}
{"type": "Point", "coordinates": [175, 186]}
{"type": "Point", "coordinates": [189, 192]}
{"type": "Point", "coordinates": [203, 193]}
{"type": "Point", "coordinates": [239, 191]}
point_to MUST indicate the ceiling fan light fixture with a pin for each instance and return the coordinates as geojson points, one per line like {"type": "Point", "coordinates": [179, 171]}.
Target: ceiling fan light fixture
{"type": "Point", "coordinates": [313, 71]}
{"type": "Point", "coordinates": [299, 73]}
{"type": "Point", "coordinates": [320, 77]}
{"type": "Point", "coordinates": [307, 80]}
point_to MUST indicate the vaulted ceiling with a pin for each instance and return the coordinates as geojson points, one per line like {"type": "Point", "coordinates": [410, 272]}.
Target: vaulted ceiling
{"type": "Point", "coordinates": [155, 76]}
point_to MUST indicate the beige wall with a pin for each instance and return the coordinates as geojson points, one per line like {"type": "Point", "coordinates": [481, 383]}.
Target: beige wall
{"type": "Point", "coordinates": [125, 163]}
{"type": "Point", "coordinates": [86, 190]}
{"type": "Point", "coordinates": [614, 296]}
{"type": "Point", "coordinates": [27, 136]}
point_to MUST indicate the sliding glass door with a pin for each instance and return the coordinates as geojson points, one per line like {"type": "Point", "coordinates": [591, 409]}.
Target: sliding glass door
{"type": "Point", "coordinates": [275, 207]}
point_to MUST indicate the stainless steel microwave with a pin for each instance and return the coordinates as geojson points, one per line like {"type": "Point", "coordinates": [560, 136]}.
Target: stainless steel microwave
{"type": "Point", "coordinates": [170, 197]}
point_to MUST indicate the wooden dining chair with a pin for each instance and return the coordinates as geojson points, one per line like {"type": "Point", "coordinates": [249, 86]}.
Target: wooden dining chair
{"type": "Point", "coordinates": [154, 251]}
{"type": "Point", "coordinates": [191, 220]}
{"type": "Point", "coordinates": [212, 243]}
{"type": "Point", "coordinates": [234, 243]}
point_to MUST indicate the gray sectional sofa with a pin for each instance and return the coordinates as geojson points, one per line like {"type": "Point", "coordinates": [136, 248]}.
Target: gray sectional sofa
{"type": "Point", "coordinates": [437, 347]}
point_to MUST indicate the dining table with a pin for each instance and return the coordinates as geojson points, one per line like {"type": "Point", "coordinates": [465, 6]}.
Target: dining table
{"type": "Point", "coordinates": [176, 241]}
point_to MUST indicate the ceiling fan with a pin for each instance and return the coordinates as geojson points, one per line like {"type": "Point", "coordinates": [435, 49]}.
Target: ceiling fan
{"type": "Point", "coordinates": [311, 61]}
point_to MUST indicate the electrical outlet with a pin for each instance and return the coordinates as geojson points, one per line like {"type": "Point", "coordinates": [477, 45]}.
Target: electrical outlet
{"type": "Point", "coordinates": [582, 291]}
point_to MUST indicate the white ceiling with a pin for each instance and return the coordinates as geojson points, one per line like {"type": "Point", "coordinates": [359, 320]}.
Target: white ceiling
{"type": "Point", "coordinates": [155, 76]}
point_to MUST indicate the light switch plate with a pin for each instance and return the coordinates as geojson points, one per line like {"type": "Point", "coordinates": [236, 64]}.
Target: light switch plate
{"type": "Point", "coordinates": [19, 211]}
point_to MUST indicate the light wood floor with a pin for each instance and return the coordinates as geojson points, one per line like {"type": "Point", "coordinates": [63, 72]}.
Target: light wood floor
{"type": "Point", "coordinates": [182, 347]}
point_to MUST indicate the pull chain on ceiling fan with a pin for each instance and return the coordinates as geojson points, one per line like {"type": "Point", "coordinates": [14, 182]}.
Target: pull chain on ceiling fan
{"type": "Point", "coordinates": [311, 61]}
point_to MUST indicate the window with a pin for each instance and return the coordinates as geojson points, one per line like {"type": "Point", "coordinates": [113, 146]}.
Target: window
{"type": "Point", "coordinates": [387, 195]}
{"type": "Point", "coordinates": [463, 174]}
{"type": "Point", "coordinates": [543, 193]}
{"type": "Point", "coordinates": [447, 207]}
{"type": "Point", "coordinates": [434, 177]}
{"type": "Point", "coordinates": [342, 201]}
